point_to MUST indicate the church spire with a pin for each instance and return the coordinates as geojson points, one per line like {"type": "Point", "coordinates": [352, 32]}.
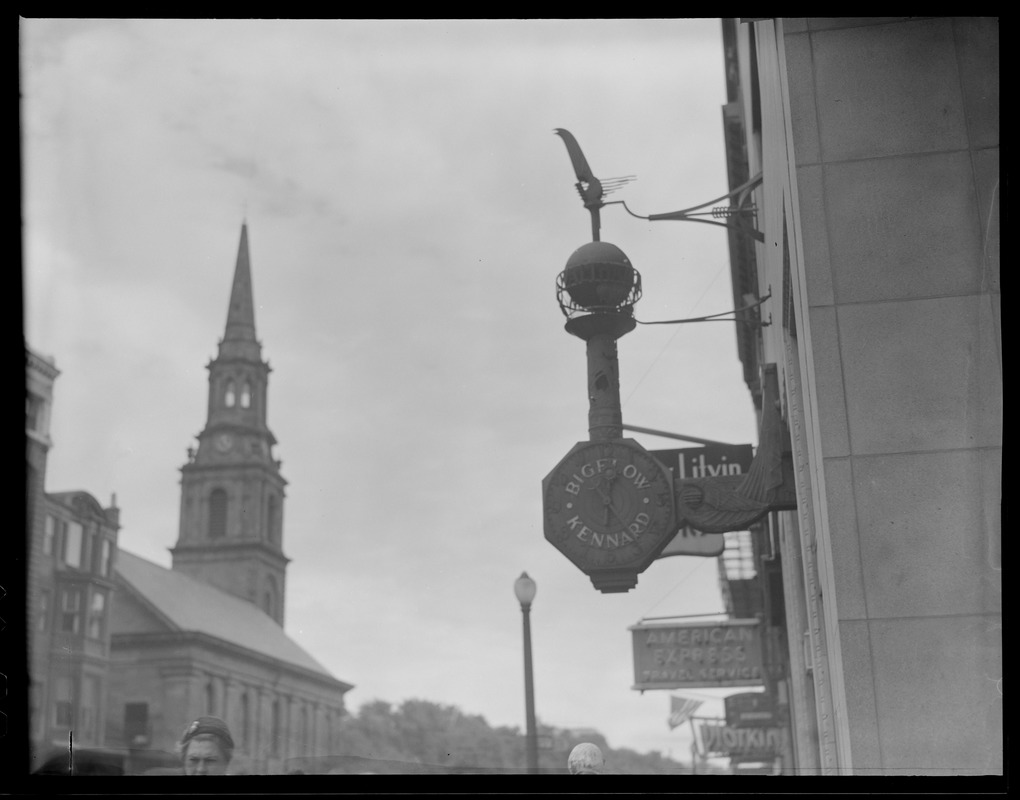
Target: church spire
{"type": "Point", "coordinates": [232, 492]}
{"type": "Point", "coordinates": [239, 337]}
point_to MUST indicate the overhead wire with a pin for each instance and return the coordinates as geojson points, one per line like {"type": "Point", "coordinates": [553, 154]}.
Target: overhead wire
{"type": "Point", "coordinates": [671, 338]}
{"type": "Point", "coordinates": [708, 317]}
{"type": "Point", "coordinates": [705, 318]}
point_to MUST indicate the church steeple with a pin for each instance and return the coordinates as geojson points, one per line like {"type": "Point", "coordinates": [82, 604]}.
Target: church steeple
{"type": "Point", "coordinates": [231, 528]}
{"type": "Point", "coordinates": [239, 337]}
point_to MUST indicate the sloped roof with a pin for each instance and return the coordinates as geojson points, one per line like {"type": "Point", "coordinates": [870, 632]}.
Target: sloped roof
{"type": "Point", "coordinates": [189, 605]}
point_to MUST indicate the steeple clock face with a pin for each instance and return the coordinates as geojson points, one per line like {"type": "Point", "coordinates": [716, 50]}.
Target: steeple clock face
{"type": "Point", "coordinates": [224, 442]}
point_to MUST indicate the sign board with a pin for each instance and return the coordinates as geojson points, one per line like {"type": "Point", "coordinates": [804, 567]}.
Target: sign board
{"type": "Point", "coordinates": [755, 765]}
{"type": "Point", "coordinates": [702, 462]}
{"type": "Point", "coordinates": [723, 740]}
{"type": "Point", "coordinates": [750, 710]}
{"type": "Point", "coordinates": [697, 654]}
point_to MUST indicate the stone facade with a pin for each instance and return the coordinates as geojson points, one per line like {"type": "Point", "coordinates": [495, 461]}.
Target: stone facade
{"type": "Point", "coordinates": [877, 142]}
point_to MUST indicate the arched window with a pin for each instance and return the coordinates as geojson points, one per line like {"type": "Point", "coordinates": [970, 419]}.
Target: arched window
{"type": "Point", "coordinates": [246, 395]}
{"type": "Point", "coordinates": [274, 742]}
{"type": "Point", "coordinates": [230, 397]}
{"type": "Point", "coordinates": [272, 518]}
{"type": "Point", "coordinates": [217, 514]}
{"type": "Point", "coordinates": [269, 596]}
{"type": "Point", "coordinates": [245, 721]}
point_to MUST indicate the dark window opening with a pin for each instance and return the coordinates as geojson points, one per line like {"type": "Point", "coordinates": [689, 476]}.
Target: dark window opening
{"type": "Point", "coordinates": [272, 521]}
{"type": "Point", "coordinates": [34, 405]}
{"type": "Point", "coordinates": [217, 514]}
{"type": "Point", "coordinates": [136, 724]}
{"type": "Point", "coordinates": [274, 742]}
{"type": "Point", "coordinates": [70, 617]}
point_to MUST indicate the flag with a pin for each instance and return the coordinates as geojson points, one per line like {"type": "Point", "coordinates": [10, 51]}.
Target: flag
{"type": "Point", "coordinates": [680, 710]}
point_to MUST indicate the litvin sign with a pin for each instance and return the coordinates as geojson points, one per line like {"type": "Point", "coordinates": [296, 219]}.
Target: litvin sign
{"type": "Point", "coordinates": [702, 462]}
{"type": "Point", "coordinates": [697, 654]}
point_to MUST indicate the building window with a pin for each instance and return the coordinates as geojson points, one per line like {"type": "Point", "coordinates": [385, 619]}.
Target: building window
{"type": "Point", "coordinates": [44, 610]}
{"type": "Point", "coordinates": [88, 548]}
{"type": "Point", "coordinates": [88, 724]}
{"type": "Point", "coordinates": [136, 724]}
{"type": "Point", "coordinates": [269, 597]}
{"type": "Point", "coordinates": [217, 514]}
{"type": "Point", "coordinates": [106, 552]}
{"type": "Point", "coordinates": [246, 396]}
{"type": "Point", "coordinates": [34, 405]}
{"type": "Point", "coordinates": [245, 721]}
{"type": "Point", "coordinates": [97, 616]}
{"type": "Point", "coordinates": [73, 541]}
{"type": "Point", "coordinates": [210, 698]}
{"type": "Point", "coordinates": [50, 536]}
{"type": "Point", "coordinates": [230, 397]}
{"type": "Point", "coordinates": [31, 495]}
{"type": "Point", "coordinates": [70, 611]}
{"type": "Point", "coordinates": [274, 742]}
{"type": "Point", "coordinates": [37, 720]}
{"type": "Point", "coordinates": [63, 703]}
{"type": "Point", "coordinates": [273, 518]}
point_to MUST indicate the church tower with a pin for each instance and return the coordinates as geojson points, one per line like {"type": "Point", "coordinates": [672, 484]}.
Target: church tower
{"type": "Point", "coordinates": [231, 527]}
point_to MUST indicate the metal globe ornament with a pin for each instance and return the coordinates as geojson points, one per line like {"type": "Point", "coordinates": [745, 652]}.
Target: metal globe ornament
{"type": "Point", "coordinates": [597, 291]}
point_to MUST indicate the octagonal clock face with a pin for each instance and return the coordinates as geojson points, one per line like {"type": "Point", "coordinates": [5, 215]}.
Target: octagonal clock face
{"type": "Point", "coordinates": [609, 505]}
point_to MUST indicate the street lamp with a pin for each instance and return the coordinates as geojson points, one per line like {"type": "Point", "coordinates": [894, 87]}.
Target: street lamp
{"type": "Point", "coordinates": [524, 588]}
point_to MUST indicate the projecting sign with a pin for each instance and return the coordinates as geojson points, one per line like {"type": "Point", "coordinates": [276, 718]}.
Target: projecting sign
{"type": "Point", "coordinates": [723, 740]}
{"type": "Point", "coordinates": [750, 710]}
{"type": "Point", "coordinates": [608, 506]}
{"type": "Point", "coordinates": [697, 654]}
{"type": "Point", "coordinates": [702, 462]}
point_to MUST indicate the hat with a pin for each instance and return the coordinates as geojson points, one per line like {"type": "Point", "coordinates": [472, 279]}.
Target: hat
{"type": "Point", "coordinates": [585, 759]}
{"type": "Point", "coordinates": [213, 725]}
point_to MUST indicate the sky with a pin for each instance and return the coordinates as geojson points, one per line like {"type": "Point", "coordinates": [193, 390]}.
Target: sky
{"type": "Point", "coordinates": [408, 208]}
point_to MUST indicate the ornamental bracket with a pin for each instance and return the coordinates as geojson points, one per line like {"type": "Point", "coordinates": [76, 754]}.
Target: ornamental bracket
{"type": "Point", "coordinates": [734, 502]}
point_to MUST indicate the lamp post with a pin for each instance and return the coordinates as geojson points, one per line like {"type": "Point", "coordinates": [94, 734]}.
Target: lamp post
{"type": "Point", "coordinates": [524, 588]}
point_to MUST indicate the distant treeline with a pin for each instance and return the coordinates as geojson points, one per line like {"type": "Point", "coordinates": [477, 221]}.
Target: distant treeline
{"type": "Point", "coordinates": [424, 737]}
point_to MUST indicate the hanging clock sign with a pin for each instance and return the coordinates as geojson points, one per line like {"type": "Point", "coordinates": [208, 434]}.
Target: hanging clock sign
{"type": "Point", "coordinates": [608, 507]}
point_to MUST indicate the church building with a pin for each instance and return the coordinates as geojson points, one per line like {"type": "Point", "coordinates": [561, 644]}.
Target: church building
{"type": "Point", "coordinates": [205, 636]}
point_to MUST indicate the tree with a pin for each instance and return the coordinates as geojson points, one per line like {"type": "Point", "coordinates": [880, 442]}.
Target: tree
{"type": "Point", "coordinates": [422, 736]}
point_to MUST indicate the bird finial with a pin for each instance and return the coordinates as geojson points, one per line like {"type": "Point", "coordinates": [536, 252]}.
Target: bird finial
{"type": "Point", "coordinates": [591, 189]}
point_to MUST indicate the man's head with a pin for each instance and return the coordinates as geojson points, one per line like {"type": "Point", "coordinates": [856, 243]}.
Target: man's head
{"type": "Point", "coordinates": [206, 747]}
{"type": "Point", "coordinates": [586, 759]}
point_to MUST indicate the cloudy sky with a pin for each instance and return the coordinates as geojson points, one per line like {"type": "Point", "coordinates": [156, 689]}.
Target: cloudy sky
{"type": "Point", "coordinates": [409, 209]}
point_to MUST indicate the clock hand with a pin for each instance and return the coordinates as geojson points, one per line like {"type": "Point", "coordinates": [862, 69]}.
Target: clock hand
{"type": "Point", "coordinates": [608, 505]}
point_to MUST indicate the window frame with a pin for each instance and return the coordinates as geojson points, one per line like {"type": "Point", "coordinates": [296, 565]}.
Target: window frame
{"type": "Point", "coordinates": [218, 517]}
{"type": "Point", "coordinates": [49, 535]}
{"type": "Point", "coordinates": [73, 541]}
{"type": "Point", "coordinates": [96, 617]}
{"type": "Point", "coordinates": [70, 611]}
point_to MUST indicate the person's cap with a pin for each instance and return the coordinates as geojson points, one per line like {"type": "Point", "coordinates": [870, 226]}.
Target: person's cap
{"type": "Point", "coordinates": [585, 759]}
{"type": "Point", "coordinates": [213, 725]}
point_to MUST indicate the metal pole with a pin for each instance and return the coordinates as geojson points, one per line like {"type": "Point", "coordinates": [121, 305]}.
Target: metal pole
{"type": "Point", "coordinates": [529, 695]}
{"type": "Point", "coordinates": [667, 435]}
{"type": "Point", "coordinates": [605, 420]}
